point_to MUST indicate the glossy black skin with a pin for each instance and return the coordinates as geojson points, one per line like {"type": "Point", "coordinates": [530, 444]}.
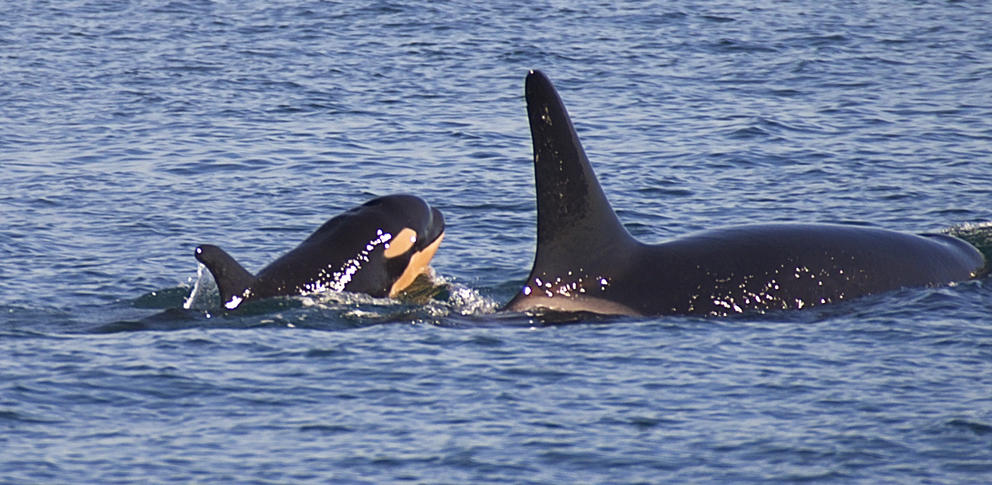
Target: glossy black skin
{"type": "Point", "coordinates": [586, 261]}
{"type": "Point", "coordinates": [322, 261]}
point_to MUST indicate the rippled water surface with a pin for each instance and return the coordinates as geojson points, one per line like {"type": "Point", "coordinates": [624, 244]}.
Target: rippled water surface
{"type": "Point", "coordinates": [130, 132]}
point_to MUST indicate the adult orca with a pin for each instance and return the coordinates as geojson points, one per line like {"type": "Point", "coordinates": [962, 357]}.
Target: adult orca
{"type": "Point", "coordinates": [586, 261]}
{"type": "Point", "coordinates": [377, 248]}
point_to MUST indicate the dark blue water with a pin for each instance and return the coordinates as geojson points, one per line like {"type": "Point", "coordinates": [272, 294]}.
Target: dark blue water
{"type": "Point", "coordinates": [131, 132]}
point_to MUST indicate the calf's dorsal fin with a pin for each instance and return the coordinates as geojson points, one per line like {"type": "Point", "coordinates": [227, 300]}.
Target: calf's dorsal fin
{"type": "Point", "coordinates": [233, 280]}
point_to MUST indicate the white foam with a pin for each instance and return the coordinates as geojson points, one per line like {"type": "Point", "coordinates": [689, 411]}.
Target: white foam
{"type": "Point", "coordinates": [204, 290]}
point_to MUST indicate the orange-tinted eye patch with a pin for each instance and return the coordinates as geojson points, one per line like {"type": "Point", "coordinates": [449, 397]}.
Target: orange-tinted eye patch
{"type": "Point", "coordinates": [417, 265]}
{"type": "Point", "coordinates": [401, 243]}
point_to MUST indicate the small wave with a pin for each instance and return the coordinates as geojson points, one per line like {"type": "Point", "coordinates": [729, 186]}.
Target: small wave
{"type": "Point", "coordinates": [978, 235]}
{"type": "Point", "coordinates": [204, 294]}
{"type": "Point", "coordinates": [430, 297]}
{"type": "Point", "coordinates": [463, 300]}
{"type": "Point", "coordinates": [974, 426]}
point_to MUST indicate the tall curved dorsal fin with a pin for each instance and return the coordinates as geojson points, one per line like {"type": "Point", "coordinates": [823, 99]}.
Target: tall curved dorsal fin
{"type": "Point", "coordinates": [232, 279]}
{"type": "Point", "coordinates": [574, 218]}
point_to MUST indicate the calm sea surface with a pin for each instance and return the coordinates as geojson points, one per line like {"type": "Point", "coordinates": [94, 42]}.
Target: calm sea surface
{"type": "Point", "coordinates": [130, 132]}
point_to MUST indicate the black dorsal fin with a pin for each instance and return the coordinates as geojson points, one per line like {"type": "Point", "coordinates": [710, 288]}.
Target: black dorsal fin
{"type": "Point", "coordinates": [232, 279]}
{"type": "Point", "coordinates": [573, 215]}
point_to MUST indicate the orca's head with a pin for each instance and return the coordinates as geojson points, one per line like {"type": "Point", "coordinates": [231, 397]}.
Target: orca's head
{"type": "Point", "coordinates": [397, 235]}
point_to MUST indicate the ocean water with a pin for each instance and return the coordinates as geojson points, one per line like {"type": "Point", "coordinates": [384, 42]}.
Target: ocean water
{"type": "Point", "coordinates": [130, 132]}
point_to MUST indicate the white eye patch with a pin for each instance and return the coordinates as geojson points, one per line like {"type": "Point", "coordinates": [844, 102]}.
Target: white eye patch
{"type": "Point", "coordinates": [401, 243]}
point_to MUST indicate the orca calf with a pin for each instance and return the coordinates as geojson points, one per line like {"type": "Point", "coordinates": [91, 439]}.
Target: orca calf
{"type": "Point", "coordinates": [377, 248]}
{"type": "Point", "coordinates": [586, 261]}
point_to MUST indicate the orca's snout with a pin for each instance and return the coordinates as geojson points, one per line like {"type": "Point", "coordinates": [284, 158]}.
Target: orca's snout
{"type": "Point", "coordinates": [436, 228]}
